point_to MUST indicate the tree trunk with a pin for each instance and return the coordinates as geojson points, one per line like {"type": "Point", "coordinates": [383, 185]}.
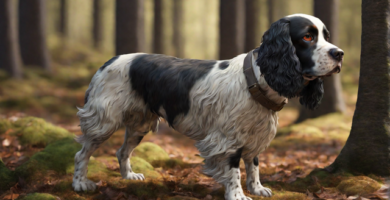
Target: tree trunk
{"type": "Point", "coordinates": [32, 33]}
{"type": "Point", "coordinates": [271, 6]}
{"type": "Point", "coordinates": [62, 24]}
{"type": "Point", "coordinates": [158, 25]}
{"type": "Point", "coordinates": [252, 21]}
{"type": "Point", "coordinates": [367, 147]}
{"type": "Point", "coordinates": [9, 46]}
{"type": "Point", "coordinates": [129, 27]}
{"type": "Point", "coordinates": [97, 28]}
{"type": "Point", "coordinates": [333, 100]}
{"type": "Point", "coordinates": [231, 28]}
{"type": "Point", "coordinates": [178, 41]}
{"type": "Point", "coordinates": [276, 10]}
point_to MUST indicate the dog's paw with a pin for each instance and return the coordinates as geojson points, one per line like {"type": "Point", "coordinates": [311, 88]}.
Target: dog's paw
{"type": "Point", "coordinates": [134, 176]}
{"type": "Point", "coordinates": [262, 191]}
{"type": "Point", "coordinates": [83, 185]}
{"type": "Point", "coordinates": [234, 195]}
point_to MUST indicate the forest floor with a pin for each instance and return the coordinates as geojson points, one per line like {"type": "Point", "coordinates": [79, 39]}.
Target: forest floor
{"type": "Point", "coordinates": [37, 153]}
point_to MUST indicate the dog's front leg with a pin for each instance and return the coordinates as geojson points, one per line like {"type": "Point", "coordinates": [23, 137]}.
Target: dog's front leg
{"type": "Point", "coordinates": [233, 189]}
{"type": "Point", "coordinates": [253, 179]}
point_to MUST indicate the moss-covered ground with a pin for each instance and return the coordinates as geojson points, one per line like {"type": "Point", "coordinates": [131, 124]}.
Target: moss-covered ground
{"type": "Point", "coordinates": [291, 166]}
{"type": "Point", "coordinates": [37, 147]}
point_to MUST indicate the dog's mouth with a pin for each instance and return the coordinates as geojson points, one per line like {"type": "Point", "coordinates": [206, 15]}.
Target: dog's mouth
{"type": "Point", "coordinates": [309, 77]}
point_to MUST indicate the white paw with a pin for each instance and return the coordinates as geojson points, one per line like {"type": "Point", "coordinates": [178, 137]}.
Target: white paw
{"type": "Point", "coordinates": [83, 184]}
{"type": "Point", "coordinates": [262, 191]}
{"type": "Point", "coordinates": [134, 176]}
{"type": "Point", "coordinates": [236, 194]}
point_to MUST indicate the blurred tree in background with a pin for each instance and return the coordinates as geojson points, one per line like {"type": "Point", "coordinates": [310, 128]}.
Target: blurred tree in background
{"type": "Point", "coordinates": [32, 33]}
{"type": "Point", "coordinates": [252, 21]}
{"type": "Point", "coordinates": [129, 34]}
{"type": "Point", "coordinates": [328, 12]}
{"type": "Point", "coordinates": [231, 28]}
{"type": "Point", "coordinates": [9, 44]}
{"type": "Point", "coordinates": [97, 30]}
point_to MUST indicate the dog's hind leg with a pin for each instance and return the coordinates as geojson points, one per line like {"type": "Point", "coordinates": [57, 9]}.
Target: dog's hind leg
{"type": "Point", "coordinates": [97, 126]}
{"type": "Point", "coordinates": [80, 180]}
{"type": "Point", "coordinates": [132, 139]}
{"type": "Point", "coordinates": [253, 178]}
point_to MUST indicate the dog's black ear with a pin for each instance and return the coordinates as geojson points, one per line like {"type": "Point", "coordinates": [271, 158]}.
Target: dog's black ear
{"type": "Point", "coordinates": [312, 94]}
{"type": "Point", "coordinates": [278, 62]}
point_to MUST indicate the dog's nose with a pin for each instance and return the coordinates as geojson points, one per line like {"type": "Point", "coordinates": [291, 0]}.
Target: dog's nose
{"type": "Point", "coordinates": [337, 53]}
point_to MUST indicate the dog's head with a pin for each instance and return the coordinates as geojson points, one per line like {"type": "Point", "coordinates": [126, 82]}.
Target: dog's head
{"type": "Point", "coordinates": [295, 50]}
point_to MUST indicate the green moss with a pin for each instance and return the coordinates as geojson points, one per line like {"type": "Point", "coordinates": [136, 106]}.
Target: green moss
{"type": "Point", "coordinates": [301, 185]}
{"type": "Point", "coordinates": [358, 185]}
{"type": "Point", "coordinates": [38, 132]}
{"type": "Point", "coordinates": [40, 196]}
{"type": "Point", "coordinates": [150, 152]}
{"type": "Point", "coordinates": [58, 157]}
{"type": "Point", "coordinates": [140, 165]}
{"type": "Point", "coordinates": [7, 177]}
{"type": "Point", "coordinates": [148, 189]}
{"type": "Point", "coordinates": [322, 130]}
{"type": "Point", "coordinates": [5, 125]}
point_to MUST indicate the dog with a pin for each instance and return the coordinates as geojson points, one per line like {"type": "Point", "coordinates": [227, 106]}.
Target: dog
{"type": "Point", "coordinates": [208, 100]}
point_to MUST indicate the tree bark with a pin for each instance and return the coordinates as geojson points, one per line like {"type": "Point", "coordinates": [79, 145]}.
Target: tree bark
{"type": "Point", "coordinates": [32, 33]}
{"type": "Point", "coordinates": [9, 46]}
{"type": "Point", "coordinates": [158, 25]}
{"type": "Point", "coordinates": [271, 6]}
{"type": "Point", "coordinates": [62, 24]}
{"type": "Point", "coordinates": [231, 28]}
{"type": "Point", "coordinates": [97, 26]}
{"type": "Point", "coordinates": [367, 148]}
{"type": "Point", "coordinates": [129, 27]}
{"type": "Point", "coordinates": [252, 21]}
{"type": "Point", "coordinates": [333, 100]}
{"type": "Point", "coordinates": [178, 41]}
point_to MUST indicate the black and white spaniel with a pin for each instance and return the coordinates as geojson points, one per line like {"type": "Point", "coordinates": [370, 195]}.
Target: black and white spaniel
{"type": "Point", "coordinates": [207, 100]}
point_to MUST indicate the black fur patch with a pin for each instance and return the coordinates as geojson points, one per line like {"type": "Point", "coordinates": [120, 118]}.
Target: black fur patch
{"type": "Point", "coordinates": [235, 159]}
{"type": "Point", "coordinates": [256, 161]}
{"type": "Point", "coordinates": [166, 81]}
{"type": "Point", "coordinates": [312, 94]}
{"type": "Point", "coordinates": [224, 65]}
{"type": "Point", "coordinates": [113, 59]}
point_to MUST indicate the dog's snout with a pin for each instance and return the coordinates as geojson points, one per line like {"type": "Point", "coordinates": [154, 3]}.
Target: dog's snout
{"type": "Point", "coordinates": [337, 54]}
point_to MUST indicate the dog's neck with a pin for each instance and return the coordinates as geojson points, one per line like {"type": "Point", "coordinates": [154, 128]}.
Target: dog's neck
{"type": "Point", "coordinates": [270, 93]}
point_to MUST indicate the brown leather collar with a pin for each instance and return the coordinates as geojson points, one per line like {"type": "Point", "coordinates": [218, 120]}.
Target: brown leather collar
{"type": "Point", "coordinates": [254, 87]}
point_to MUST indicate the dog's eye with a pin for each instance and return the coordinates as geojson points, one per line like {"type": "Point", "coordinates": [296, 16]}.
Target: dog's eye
{"type": "Point", "coordinates": [308, 37]}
